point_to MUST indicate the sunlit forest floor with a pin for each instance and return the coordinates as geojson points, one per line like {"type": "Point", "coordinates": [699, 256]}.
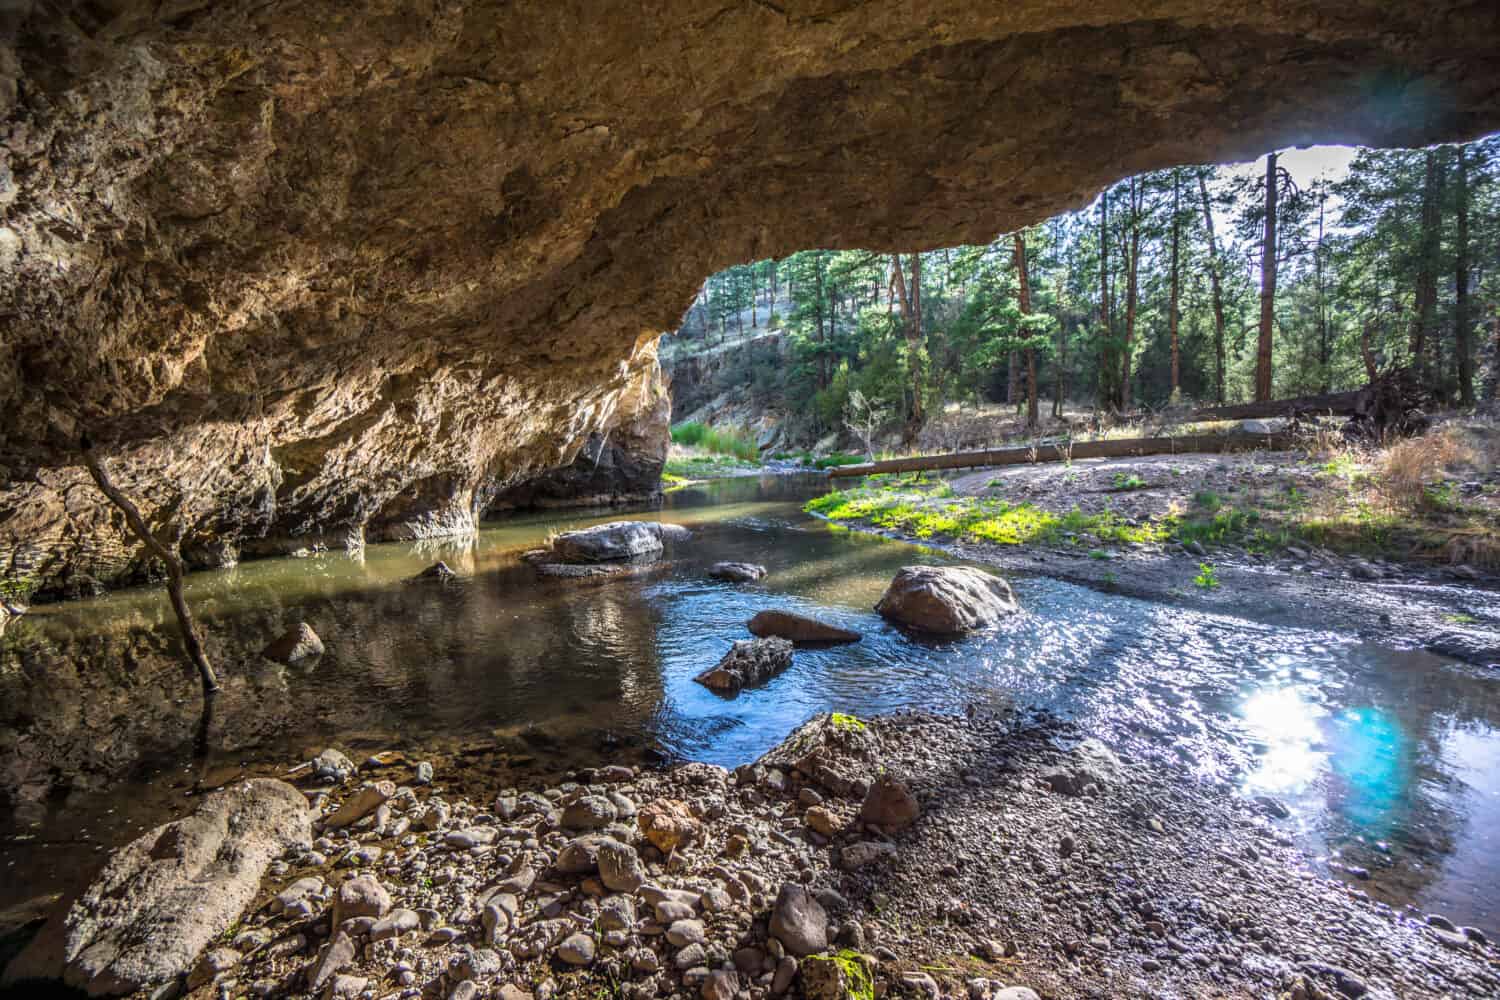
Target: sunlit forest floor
{"type": "Point", "coordinates": [1432, 500]}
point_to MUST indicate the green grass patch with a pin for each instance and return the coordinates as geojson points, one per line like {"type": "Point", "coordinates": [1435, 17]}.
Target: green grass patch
{"type": "Point", "coordinates": [836, 460]}
{"type": "Point", "coordinates": [1206, 578]}
{"type": "Point", "coordinates": [720, 440]}
{"type": "Point", "coordinates": [847, 723]}
{"type": "Point", "coordinates": [925, 511]}
{"type": "Point", "coordinates": [703, 467]}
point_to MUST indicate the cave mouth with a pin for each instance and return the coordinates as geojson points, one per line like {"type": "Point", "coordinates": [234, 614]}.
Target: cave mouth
{"type": "Point", "coordinates": [309, 279]}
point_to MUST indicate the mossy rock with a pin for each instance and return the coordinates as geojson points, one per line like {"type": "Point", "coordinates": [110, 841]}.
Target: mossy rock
{"type": "Point", "coordinates": [844, 975]}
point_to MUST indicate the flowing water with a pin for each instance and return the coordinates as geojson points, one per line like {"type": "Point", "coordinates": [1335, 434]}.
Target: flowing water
{"type": "Point", "coordinates": [1389, 760]}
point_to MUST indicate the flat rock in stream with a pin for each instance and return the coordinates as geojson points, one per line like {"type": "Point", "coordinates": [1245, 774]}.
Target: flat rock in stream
{"type": "Point", "coordinates": [946, 600]}
{"type": "Point", "coordinates": [798, 628]}
{"type": "Point", "coordinates": [737, 572]}
{"type": "Point", "coordinates": [748, 662]}
{"type": "Point", "coordinates": [616, 541]}
{"type": "Point", "coordinates": [146, 918]}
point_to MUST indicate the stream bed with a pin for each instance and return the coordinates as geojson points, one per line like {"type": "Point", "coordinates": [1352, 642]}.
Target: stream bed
{"type": "Point", "coordinates": [1388, 760]}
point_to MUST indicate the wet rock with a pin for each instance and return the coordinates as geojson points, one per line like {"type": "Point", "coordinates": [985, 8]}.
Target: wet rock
{"type": "Point", "coordinates": [946, 600]}
{"type": "Point", "coordinates": [667, 824]}
{"type": "Point", "coordinates": [799, 921]}
{"type": "Point", "coordinates": [737, 572]}
{"type": "Point", "coordinates": [748, 662]}
{"type": "Point", "coordinates": [890, 805]}
{"type": "Point", "coordinates": [297, 643]}
{"type": "Point", "coordinates": [798, 628]}
{"type": "Point", "coordinates": [145, 919]}
{"type": "Point", "coordinates": [617, 541]}
{"type": "Point", "coordinates": [359, 805]}
{"type": "Point", "coordinates": [620, 867]}
{"type": "Point", "coordinates": [439, 572]}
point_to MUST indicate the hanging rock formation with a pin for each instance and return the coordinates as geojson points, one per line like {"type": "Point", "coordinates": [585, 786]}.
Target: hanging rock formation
{"type": "Point", "coordinates": [320, 272]}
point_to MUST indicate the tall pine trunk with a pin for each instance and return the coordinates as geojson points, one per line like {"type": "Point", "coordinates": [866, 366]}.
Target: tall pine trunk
{"type": "Point", "coordinates": [1024, 294]}
{"type": "Point", "coordinates": [1172, 317]}
{"type": "Point", "coordinates": [1060, 369]}
{"type": "Point", "coordinates": [1218, 291]}
{"type": "Point", "coordinates": [1425, 295]}
{"type": "Point", "coordinates": [1267, 288]}
{"type": "Point", "coordinates": [1462, 333]}
{"type": "Point", "coordinates": [1102, 387]}
{"type": "Point", "coordinates": [1325, 377]}
{"type": "Point", "coordinates": [1132, 272]}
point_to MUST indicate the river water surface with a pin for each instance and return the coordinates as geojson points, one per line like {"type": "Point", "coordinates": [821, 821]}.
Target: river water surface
{"type": "Point", "coordinates": [1388, 760]}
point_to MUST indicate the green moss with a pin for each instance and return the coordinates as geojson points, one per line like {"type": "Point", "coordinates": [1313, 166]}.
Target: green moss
{"type": "Point", "coordinates": [847, 723]}
{"type": "Point", "coordinates": [854, 971]}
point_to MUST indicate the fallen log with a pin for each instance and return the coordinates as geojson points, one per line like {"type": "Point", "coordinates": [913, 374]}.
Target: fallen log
{"type": "Point", "coordinates": [1119, 448]}
{"type": "Point", "coordinates": [1343, 404]}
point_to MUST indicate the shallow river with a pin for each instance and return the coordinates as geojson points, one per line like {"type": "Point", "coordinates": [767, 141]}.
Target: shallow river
{"type": "Point", "coordinates": [1389, 761]}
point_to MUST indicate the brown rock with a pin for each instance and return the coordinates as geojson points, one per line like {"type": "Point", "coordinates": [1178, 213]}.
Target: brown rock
{"type": "Point", "coordinates": [667, 823]}
{"type": "Point", "coordinates": [297, 643]}
{"type": "Point", "coordinates": [359, 805]}
{"type": "Point", "coordinates": [748, 662]}
{"type": "Point", "coordinates": [946, 600]}
{"type": "Point", "coordinates": [890, 805]}
{"type": "Point", "coordinates": [798, 628]}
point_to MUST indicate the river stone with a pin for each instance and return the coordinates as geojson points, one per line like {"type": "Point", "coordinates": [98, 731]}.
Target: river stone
{"type": "Point", "coordinates": [799, 921]}
{"type": "Point", "coordinates": [332, 766]}
{"type": "Point", "coordinates": [798, 628]}
{"type": "Point", "coordinates": [748, 662]}
{"type": "Point", "coordinates": [620, 867]}
{"type": "Point", "coordinates": [297, 643]}
{"type": "Point", "coordinates": [577, 949]}
{"type": "Point", "coordinates": [580, 856]}
{"type": "Point", "coordinates": [613, 542]}
{"type": "Point", "coordinates": [863, 854]}
{"type": "Point", "coordinates": [946, 600]}
{"type": "Point", "coordinates": [439, 571]}
{"type": "Point", "coordinates": [589, 812]}
{"type": "Point", "coordinates": [394, 924]}
{"type": "Point", "coordinates": [336, 955]}
{"type": "Point", "coordinates": [361, 896]}
{"type": "Point", "coordinates": [146, 918]}
{"type": "Point", "coordinates": [890, 805]}
{"type": "Point", "coordinates": [737, 572]}
{"type": "Point", "coordinates": [667, 823]}
{"type": "Point", "coordinates": [359, 805]}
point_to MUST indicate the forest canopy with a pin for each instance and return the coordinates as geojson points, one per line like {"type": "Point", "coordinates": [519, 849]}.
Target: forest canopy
{"type": "Point", "coordinates": [1207, 284]}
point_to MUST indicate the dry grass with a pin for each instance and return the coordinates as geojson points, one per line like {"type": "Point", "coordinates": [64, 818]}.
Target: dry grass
{"type": "Point", "coordinates": [1407, 472]}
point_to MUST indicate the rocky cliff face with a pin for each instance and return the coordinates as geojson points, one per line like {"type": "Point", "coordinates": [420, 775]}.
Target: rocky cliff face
{"type": "Point", "coordinates": [310, 273]}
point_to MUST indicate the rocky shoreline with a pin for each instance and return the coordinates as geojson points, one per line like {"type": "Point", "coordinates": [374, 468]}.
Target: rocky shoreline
{"type": "Point", "coordinates": [912, 855]}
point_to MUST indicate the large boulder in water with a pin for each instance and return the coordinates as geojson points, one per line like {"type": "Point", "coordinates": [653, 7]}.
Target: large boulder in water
{"type": "Point", "coordinates": [167, 895]}
{"type": "Point", "coordinates": [749, 661]}
{"type": "Point", "coordinates": [798, 628]}
{"type": "Point", "coordinates": [617, 541]}
{"type": "Point", "coordinates": [297, 643]}
{"type": "Point", "coordinates": [946, 600]}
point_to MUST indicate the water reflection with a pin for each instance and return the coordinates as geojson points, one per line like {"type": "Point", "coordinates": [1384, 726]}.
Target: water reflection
{"type": "Point", "coordinates": [98, 713]}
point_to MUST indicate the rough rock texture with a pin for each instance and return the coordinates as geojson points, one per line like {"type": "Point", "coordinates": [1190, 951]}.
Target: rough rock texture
{"type": "Point", "coordinates": [798, 628]}
{"type": "Point", "coordinates": [616, 541]}
{"type": "Point", "coordinates": [748, 662]}
{"type": "Point", "coordinates": [297, 643]}
{"type": "Point", "coordinates": [614, 466]}
{"type": "Point", "coordinates": [146, 918]}
{"type": "Point", "coordinates": [737, 572]}
{"type": "Point", "coordinates": [339, 272]}
{"type": "Point", "coordinates": [946, 600]}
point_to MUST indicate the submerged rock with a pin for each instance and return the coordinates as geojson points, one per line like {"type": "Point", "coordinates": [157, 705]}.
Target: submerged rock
{"type": "Point", "coordinates": [737, 572]}
{"type": "Point", "coordinates": [297, 643]}
{"type": "Point", "coordinates": [946, 600]}
{"type": "Point", "coordinates": [748, 662]}
{"type": "Point", "coordinates": [147, 917]}
{"type": "Point", "coordinates": [798, 628]}
{"type": "Point", "coordinates": [439, 571]}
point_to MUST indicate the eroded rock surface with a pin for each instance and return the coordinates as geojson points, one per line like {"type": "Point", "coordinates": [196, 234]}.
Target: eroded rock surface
{"type": "Point", "coordinates": [748, 662]}
{"type": "Point", "coordinates": [146, 918]}
{"type": "Point", "coordinates": [339, 273]}
{"type": "Point", "coordinates": [946, 600]}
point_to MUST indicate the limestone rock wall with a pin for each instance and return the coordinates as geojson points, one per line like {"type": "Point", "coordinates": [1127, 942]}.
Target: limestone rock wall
{"type": "Point", "coordinates": [310, 273]}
